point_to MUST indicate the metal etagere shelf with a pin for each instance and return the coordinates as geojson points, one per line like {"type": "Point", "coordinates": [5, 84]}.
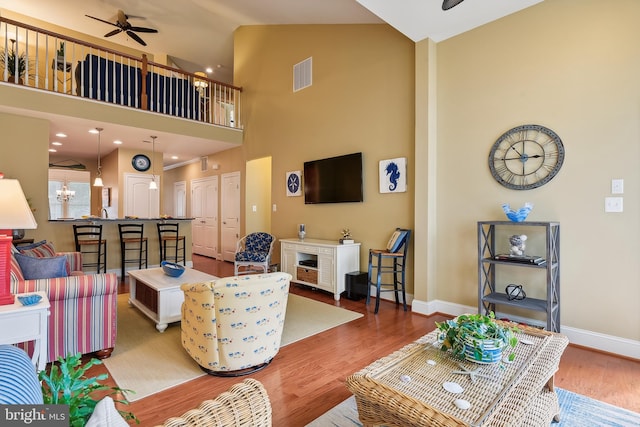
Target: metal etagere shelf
{"type": "Point", "coordinates": [489, 297]}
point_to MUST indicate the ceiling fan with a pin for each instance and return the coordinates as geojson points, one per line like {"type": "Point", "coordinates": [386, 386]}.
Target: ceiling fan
{"type": "Point", "coordinates": [448, 4]}
{"type": "Point", "coordinates": [123, 25]}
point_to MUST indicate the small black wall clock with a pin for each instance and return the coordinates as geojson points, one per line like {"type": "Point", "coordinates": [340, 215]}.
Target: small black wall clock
{"type": "Point", "coordinates": [140, 162]}
{"type": "Point", "coordinates": [526, 157]}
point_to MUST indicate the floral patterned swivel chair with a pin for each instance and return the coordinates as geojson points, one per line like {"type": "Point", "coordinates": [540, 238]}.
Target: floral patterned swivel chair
{"type": "Point", "coordinates": [253, 252]}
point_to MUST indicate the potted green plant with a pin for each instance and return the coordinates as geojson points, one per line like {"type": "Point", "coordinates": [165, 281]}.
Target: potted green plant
{"type": "Point", "coordinates": [477, 338]}
{"type": "Point", "coordinates": [66, 384]}
{"type": "Point", "coordinates": [8, 60]}
{"type": "Point", "coordinates": [60, 52]}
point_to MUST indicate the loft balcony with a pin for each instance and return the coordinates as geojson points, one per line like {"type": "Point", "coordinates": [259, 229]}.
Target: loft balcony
{"type": "Point", "coordinates": [46, 61]}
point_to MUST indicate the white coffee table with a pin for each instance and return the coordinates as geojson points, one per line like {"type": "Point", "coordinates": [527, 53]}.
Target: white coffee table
{"type": "Point", "coordinates": [159, 296]}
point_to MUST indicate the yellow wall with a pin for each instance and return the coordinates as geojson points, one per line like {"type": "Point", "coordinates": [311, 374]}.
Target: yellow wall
{"type": "Point", "coordinates": [258, 196]}
{"type": "Point", "coordinates": [573, 66]}
{"type": "Point", "coordinates": [361, 100]}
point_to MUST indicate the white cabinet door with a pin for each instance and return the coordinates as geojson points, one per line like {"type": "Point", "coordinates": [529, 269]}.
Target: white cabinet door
{"type": "Point", "coordinates": [288, 259]}
{"type": "Point", "coordinates": [326, 271]}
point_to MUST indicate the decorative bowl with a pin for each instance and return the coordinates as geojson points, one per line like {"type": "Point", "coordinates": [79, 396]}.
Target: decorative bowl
{"type": "Point", "coordinates": [29, 299]}
{"type": "Point", "coordinates": [172, 269]}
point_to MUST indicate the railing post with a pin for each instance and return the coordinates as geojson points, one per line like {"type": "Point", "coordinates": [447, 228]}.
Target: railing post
{"type": "Point", "coordinates": [143, 89]}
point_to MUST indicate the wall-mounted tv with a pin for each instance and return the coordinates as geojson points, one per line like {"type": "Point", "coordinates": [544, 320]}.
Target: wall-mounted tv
{"type": "Point", "coordinates": [334, 180]}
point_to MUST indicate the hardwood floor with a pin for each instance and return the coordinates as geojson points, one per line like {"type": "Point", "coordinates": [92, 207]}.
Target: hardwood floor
{"type": "Point", "coordinates": [307, 378]}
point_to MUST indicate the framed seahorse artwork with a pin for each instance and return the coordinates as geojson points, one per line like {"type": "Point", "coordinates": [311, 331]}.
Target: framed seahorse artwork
{"type": "Point", "coordinates": [393, 175]}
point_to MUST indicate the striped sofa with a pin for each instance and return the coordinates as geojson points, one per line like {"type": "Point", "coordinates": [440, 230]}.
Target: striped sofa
{"type": "Point", "coordinates": [83, 309]}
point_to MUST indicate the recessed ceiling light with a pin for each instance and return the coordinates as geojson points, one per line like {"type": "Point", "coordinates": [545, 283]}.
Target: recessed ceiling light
{"type": "Point", "coordinates": [61, 135]}
{"type": "Point", "coordinates": [209, 70]}
{"type": "Point", "coordinates": [117, 142]}
{"type": "Point", "coordinates": [93, 130]}
{"type": "Point", "coordinates": [56, 143]}
{"type": "Point", "coordinates": [53, 150]}
{"type": "Point", "coordinates": [174, 157]}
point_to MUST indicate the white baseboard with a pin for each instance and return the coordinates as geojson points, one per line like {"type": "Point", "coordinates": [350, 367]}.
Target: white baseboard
{"type": "Point", "coordinates": [608, 343]}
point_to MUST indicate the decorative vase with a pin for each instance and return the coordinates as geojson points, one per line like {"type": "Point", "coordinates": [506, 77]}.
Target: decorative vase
{"type": "Point", "coordinates": [483, 351]}
{"type": "Point", "coordinates": [301, 231]}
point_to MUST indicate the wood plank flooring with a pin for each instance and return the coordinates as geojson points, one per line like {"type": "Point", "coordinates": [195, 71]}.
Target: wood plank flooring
{"type": "Point", "coordinates": [307, 378]}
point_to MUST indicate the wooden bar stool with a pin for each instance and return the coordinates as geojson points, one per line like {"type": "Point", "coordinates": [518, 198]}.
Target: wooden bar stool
{"type": "Point", "coordinates": [132, 241]}
{"type": "Point", "coordinates": [92, 246]}
{"type": "Point", "coordinates": [391, 261]}
{"type": "Point", "coordinates": [169, 238]}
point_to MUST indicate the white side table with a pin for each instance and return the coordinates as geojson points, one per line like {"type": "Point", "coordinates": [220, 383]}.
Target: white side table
{"type": "Point", "coordinates": [19, 323]}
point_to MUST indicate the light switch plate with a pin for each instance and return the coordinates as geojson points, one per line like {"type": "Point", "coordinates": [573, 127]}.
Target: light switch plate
{"type": "Point", "coordinates": [617, 186]}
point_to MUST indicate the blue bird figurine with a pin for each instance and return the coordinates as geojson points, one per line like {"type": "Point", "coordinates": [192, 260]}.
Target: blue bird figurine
{"type": "Point", "coordinates": [519, 215]}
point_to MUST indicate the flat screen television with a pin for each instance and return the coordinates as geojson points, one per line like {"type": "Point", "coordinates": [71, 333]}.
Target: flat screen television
{"type": "Point", "coordinates": [334, 180]}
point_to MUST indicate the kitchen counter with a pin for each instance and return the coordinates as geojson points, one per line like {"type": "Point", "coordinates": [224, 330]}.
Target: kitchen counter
{"type": "Point", "coordinates": [126, 219]}
{"type": "Point", "coordinates": [64, 241]}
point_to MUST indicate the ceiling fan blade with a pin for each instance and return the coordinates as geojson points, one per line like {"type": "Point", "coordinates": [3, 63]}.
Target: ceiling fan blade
{"type": "Point", "coordinates": [113, 33]}
{"type": "Point", "coordinates": [448, 4]}
{"type": "Point", "coordinates": [136, 38]}
{"type": "Point", "coordinates": [143, 30]}
{"type": "Point", "coordinates": [101, 20]}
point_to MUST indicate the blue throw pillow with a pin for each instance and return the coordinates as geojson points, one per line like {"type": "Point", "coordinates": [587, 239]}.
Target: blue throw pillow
{"type": "Point", "coordinates": [42, 268]}
{"type": "Point", "coordinates": [32, 245]}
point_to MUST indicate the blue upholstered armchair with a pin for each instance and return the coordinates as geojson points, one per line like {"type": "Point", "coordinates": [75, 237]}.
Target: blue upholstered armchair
{"type": "Point", "coordinates": [253, 252]}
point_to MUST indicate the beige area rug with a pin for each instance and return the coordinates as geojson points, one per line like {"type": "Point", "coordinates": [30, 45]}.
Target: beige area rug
{"type": "Point", "coordinates": [147, 361]}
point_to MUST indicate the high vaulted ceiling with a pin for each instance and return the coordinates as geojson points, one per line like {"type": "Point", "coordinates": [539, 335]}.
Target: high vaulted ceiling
{"type": "Point", "coordinates": [199, 33]}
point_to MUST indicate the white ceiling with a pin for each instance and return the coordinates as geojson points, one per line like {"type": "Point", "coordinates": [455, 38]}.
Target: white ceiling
{"type": "Point", "coordinates": [199, 34]}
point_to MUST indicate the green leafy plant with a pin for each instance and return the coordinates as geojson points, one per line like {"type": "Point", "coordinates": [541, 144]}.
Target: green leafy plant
{"type": "Point", "coordinates": [472, 329]}
{"type": "Point", "coordinates": [67, 384]}
{"type": "Point", "coordinates": [8, 60]}
{"type": "Point", "coordinates": [60, 51]}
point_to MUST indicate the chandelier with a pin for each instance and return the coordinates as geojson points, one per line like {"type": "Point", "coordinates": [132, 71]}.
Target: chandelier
{"type": "Point", "coordinates": [65, 194]}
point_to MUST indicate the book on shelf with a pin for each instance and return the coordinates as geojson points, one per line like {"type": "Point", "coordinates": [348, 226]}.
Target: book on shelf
{"type": "Point", "coordinates": [523, 259]}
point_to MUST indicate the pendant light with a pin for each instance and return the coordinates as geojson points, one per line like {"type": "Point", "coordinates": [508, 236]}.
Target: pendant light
{"type": "Point", "coordinates": [152, 184]}
{"type": "Point", "coordinates": [98, 181]}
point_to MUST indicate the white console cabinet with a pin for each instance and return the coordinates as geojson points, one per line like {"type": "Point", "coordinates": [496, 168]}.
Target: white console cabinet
{"type": "Point", "coordinates": [322, 264]}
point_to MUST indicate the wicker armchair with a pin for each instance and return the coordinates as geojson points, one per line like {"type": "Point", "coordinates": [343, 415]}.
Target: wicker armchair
{"type": "Point", "coordinates": [244, 404]}
{"type": "Point", "coordinates": [253, 252]}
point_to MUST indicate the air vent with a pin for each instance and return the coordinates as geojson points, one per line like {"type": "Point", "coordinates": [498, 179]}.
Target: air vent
{"type": "Point", "coordinates": [204, 162]}
{"type": "Point", "coordinates": [302, 75]}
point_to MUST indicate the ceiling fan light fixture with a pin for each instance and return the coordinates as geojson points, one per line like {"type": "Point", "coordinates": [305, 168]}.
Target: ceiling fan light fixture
{"type": "Point", "coordinates": [448, 4]}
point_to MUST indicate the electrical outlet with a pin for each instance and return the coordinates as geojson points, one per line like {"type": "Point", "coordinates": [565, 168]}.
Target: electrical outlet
{"type": "Point", "coordinates": [275, 208]}
{"type": "Point", "coordinates": [613, 204]}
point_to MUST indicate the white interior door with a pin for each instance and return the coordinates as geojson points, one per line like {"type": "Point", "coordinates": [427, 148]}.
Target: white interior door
{"type": "Point", "coordinates": [230, 213]}
{"type": "Point", "coordinates": [139, 201]}
{"type": "Point", "coordinates": [204, 210]}
{"type": "Point", "coordinates": [180, 199]}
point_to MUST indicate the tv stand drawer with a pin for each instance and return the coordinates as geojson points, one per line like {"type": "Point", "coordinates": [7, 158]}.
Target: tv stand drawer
{"type": "Point", "coordinates": [309, 275]}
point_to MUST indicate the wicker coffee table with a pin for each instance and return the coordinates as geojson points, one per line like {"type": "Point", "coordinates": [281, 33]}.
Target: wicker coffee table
{"type": "Point", "coordinates": [406, 387]}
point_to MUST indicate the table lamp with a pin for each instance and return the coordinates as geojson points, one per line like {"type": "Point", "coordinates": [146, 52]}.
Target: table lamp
{"type": "Point", "coordinates": [14, 213]}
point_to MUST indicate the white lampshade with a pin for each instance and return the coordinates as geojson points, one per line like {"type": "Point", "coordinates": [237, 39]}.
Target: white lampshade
{"type": "Point", "coordinates": [153, 185]}
{"type": "Point", "coordinates": [15, 211]}
{"type": "Point", "coordinates": [98, 182]}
